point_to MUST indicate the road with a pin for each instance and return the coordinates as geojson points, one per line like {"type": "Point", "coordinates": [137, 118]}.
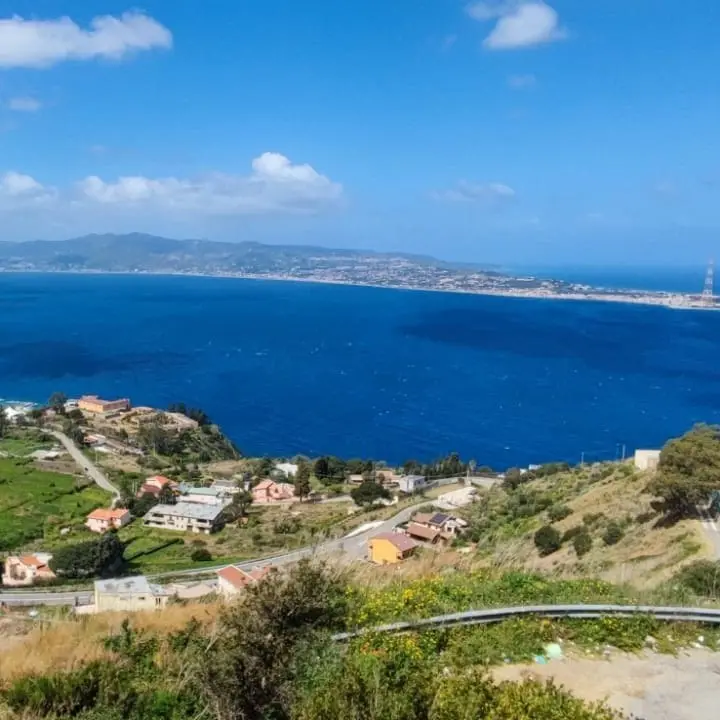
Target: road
{"type": "Point", "coordinates": [89, 468]}
{"type": "Point", "coordinates": [354, 548]}
{"type": "Point", "coordinates": [712, 530]}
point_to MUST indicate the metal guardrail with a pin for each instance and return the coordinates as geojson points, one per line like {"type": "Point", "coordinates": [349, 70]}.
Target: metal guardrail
{"type": "Point", "coordinates": [580, 612]}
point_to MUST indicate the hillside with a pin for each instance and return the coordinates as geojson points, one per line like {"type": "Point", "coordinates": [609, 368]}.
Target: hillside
{"type": "Point", "coordinates": [630, 540]}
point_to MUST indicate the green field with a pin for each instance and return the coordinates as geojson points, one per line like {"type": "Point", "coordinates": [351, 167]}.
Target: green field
{"type": "Point", "coordinates": [35, 504]}
{"type": "Point", "coordinates": [24, 444]}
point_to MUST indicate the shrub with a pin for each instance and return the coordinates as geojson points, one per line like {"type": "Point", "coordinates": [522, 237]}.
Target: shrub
{"type": "Point", "coordinates": [559, 512]}
{"type": "Point", "coordinates": [644, 517]}
{"type": "Point", "coordinates": [570, 533]}
{"type": "Point", "coordinates": [547, 540]}
{"type": "Point", "coordinates": [582, 542]}
{"type": "Point", "coordinates": [200, 554]}
{"type": "Point", "coordinates": [613, 534]}
{"type": "Point", "coordinates": [702, 577]}
{"type": "Point", "coordinates": [591, 519]}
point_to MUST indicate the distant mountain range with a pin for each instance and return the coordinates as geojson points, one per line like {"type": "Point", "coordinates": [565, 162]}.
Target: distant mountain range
{"type": "Point", "coordinates": [137, 252]}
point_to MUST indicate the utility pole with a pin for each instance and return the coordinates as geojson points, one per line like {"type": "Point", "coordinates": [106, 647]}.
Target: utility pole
{"type": "Point", "coordinates": [709, 289]}
{"type": "Point", "coordinates": [582, 458]}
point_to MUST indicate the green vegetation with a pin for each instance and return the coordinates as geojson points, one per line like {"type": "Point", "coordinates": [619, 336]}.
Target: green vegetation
{"type": "Point", "coordinates": [93, 558]}
{"type": "Point", "coordinates": [582, 542]}
{"type": "Point", "coordinates": [35, 504]}
{"type": "Point", "coordinates": [369, 492]}
{"type": "Point", "coordinates": [547, 540]}
{"type": "Point", "coordinates": [688, 472]}
{"type": "Point", "coordinates": [613, 533]}
{"type": "Point", "coordinates": [701, 578]}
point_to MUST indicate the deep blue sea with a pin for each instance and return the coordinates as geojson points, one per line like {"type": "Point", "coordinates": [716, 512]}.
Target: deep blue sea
{"type": "Point", "coordinates": [291, 368]}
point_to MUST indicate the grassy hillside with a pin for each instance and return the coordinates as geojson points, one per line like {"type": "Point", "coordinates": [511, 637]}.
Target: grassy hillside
{"type": "Point", "coordinates": [630, 541]}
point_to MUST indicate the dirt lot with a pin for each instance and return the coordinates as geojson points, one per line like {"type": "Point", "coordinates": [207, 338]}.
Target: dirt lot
{"type": "Point", "coordinates": [651, 687]}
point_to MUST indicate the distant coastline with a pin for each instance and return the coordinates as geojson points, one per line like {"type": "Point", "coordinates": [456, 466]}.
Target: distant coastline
{"type": "Point", "coordinates": [670, 300]}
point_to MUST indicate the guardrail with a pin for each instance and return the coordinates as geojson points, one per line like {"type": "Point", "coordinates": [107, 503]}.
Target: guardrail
{"type": "Point", "coordinates": [581, 612]}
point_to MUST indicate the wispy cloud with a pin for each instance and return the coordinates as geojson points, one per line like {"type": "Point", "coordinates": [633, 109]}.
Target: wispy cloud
{"type": "Point", "coordinates": [519, 23]}
{"type": "Point", "coordinates": [43, 43]}
{"type": "Point", "coordinates": [24, 104]}
{"type": "Point", "coordinates": [521, 82]}
{"type": "Point", "coordinates": [488, 194]}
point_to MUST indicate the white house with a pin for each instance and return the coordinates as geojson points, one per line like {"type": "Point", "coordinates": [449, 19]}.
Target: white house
{"type": "Point", "coordinates": [647, 459]}
{"type": "Point", "coordinates": [290, 469]}
{"type": "Point", "coordinates": [129, 594]}
{"type": "Point", "coordinates": [186, 517]}
{"type": "Point", "coordinates": [206, 495]}
{"type": "Point", "coordinates": [411, 483]}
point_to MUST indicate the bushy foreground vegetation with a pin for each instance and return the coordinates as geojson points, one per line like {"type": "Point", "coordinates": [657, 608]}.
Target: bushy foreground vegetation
{"type": "Point", "coordinates": [271, 656]}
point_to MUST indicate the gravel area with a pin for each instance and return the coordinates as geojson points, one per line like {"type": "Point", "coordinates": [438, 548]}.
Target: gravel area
{"type": "Point", "coordinates": [648, 686]}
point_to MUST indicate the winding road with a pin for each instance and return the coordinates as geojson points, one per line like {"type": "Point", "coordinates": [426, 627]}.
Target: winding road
{"type": "Point", "coordinates": [88, 467]}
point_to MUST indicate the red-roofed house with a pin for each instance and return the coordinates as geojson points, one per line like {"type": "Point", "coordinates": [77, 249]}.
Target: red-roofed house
{"type": "Point", "coordinates": [271, 491]}
{"type": "Point", "coordinates": [388, 548]}
{"type": "Point", "coordinates": [103, 519]}
{"type": "Point", "coordinates": [232, 580]}
{"type": "Point", "coordinates": [27, 569]}
{"type": "Point", "coordinates": [155, 485]}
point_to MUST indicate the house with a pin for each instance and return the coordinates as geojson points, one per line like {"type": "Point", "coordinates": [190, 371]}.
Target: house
{"type": "Point", "coordinates": [155, 485]}
{"type": "Point", "coordinates": [389, 548]}
{"type": "Point", "coordinates": [270, 491]}
{"type": "Point", "coordinates": [98, 406]}
{"type": "Point", "coordinates": [186, 517]}
{"type": "Point", "coordinates": [228, 484]}
{"type": "Point", "coordinates": [356, 479]}
{"type": "Point", "coordinates": [103, 519]}
{"type": "Point", "coordinates": [411, 483]}
{"type": "Point", "coordinates": [449, 525]}
{"type": "Point", "coordinates": [205, 495]}
{"type": "Point", "coordinates": [20, 570]}
{"type": "Point", "coordinates": [232, 580]}
{"type": "Point", "coordinates": [387, 476]}
{"type": "Point", "coordinates": [647, 459]}
{"type": "Point", "coordinates": [289, 469]}
{"type": "Point", "coordinates": [129, 594]}
{"type": "Point", "coordinates": [423, 532]}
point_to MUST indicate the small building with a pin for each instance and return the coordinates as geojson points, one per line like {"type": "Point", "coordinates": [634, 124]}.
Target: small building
{"type": "Point", "coordinates": [98, 406]}
{"type": "Point", "coordinates": [232, 580]}
{"type": "Point", "coordinates": [387, 476]}
{"type": "Point", "coordinates": [205, 495]}
{"type": "Point", "coordinates": [155, 485]}
{"type": "Point", "coordinates": [186, 517]}
{"type": "Point", "coordinates": [423, 532]}
{"type": "Point", "coordinates": [448, 525]}
{"type": "Point", "coordinates": [227, 484]}
{"type": "Point", "coordinates": [289, 469]}
{"type": "Point", "coordinates": [411, 483]}
{"type": "Point", "coordinates": [23, 570]}
{"type": "Point", "coordinates": [129, 594]}
{"type": "Point", "coordinates": [389, 548]}
{"type": "Point", "coordinates": [356, 479]}
{"type": "Point", "coordinates": [102, 519]}
{"type": "Point", "coordinates": [270, 491]}
{"type": "Point", "coordinates": [647, 459]}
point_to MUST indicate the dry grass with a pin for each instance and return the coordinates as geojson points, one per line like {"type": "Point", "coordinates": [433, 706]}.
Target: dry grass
{"type": "Point", "coordinates": [64, 644]}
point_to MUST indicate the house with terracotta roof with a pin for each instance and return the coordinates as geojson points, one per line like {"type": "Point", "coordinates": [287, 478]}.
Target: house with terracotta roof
{"type": "Point", "coordinates": [268, 491]}
{"type": "Point", "coordinates": [447, 526]}
{"type": "Point", "coordinates": [389, 548]}
{"type": "Point", "coordinates": [232, 580]}
{"type": "Point", "coordinates": [155, 485]}
{"type": "Point", "coordinates": [102, 519]}
{"type": "Point", "coordinates": [423, 532]}
{"type": "Point", "coordinates": [23, 570]}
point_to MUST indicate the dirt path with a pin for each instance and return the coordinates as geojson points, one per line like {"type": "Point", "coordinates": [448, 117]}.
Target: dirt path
{"type": "Point", "coordinates": [650, 686]}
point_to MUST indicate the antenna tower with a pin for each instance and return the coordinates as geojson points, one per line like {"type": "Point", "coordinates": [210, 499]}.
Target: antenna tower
{"type": "Point", "coordinates": [708, 291]}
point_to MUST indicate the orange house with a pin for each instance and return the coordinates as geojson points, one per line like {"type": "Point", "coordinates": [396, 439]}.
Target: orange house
{"type": "Point", "coordinates": [102, 519]}
{"type": "Point", "coordinates": [94, 404]}
{"type": "Point", "coordinates": [389, 548]}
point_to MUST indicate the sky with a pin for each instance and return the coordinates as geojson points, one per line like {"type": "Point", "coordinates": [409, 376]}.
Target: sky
{"type": "Point", "coordinates": [498, 131]}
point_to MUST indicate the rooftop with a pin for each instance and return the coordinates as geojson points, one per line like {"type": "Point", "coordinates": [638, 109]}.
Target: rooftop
{"type": "Point", "coordinates": [195, 511]}
{"type": "Point", "coordinates": [137, 585]}
{"type": "Point", "coordinates": [107, 514]}
{"type": "Point", "coordinates": [210, 491]}
{"type": "Point", "coordinates": [420, 531]}
{"type": "Point", "coordinates": [402, 542]}
{"type": "Point", "coordinates": [240, 578]}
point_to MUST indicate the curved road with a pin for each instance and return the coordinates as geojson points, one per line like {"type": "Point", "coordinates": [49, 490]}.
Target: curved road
{"type": "Point", "coordinates": [354, 548]}
{"type": "Point", "coordinates": [88, 467]}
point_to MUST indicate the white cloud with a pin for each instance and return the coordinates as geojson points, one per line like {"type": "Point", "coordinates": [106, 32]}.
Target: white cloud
{"type": "Point", "coordinates": [19, 191]}
{"type": "Point", "coordinates": [520, 82]}
{"type": "Point", "coordinates": [520, 23]}
{"type": "Point", "coordinates": [489, 194]}
{"type": "Point", "coordinates": [24, 104]}
{"type": "Point", "coordinates": [275, 185]}
{"type": "Point", "coordinates": [42, 43]}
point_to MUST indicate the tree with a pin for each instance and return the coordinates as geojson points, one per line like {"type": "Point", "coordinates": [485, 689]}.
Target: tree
{"type": "Point", "coordinates": [57, 402]}
{"type": "Point", "coordinates": [513, 478]}
{"type": "Point", "coordinates": [89, 559]}
{"type": "Point", "coordinates": [241, 501]}
{"type": "Point", "coordinates": [582, 542]}
{"type": "Point", "coordinates": [4, 422]}
{"type": "Point", "coordinates": [688, 471]}
{"type": "Point", "coordinates": [302, 480]}
{"type": "Point", "coordinates": [321, 468]}
{"type": "Point", "coordinates": [547, 540]}
{"type": "Point", "coordinates": [613, 534]}
{"type": "Point", "coordinates": [369, 492]}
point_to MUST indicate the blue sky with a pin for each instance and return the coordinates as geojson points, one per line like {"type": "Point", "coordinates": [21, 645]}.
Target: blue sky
{"type": "Point", "coordinates": [510, 131]}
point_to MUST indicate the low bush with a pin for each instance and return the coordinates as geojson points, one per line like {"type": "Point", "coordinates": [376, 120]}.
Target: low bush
{"type": "Point", "coordinates": [200, 554]}
{"type": "Point", "coordinates": [559, 512]}
{"type": "Point", "coordinates": [644, 517]}
{"type": "Point", "coordinates": [592, 519]}
{"type": "Point", "coordinates": [702, 578]}
{"type": "Point", "coordinates": [570, 533]}
{"type": "Point", "coordinates": [547, 540]}
{"type": "Point", "coordinates": [582, 542]}
{"type": "Point", "coordinates": [613, 534]}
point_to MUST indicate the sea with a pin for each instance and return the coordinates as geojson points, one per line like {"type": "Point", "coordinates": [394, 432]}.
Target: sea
{"type": "Point", "coordinates": [291, 368]}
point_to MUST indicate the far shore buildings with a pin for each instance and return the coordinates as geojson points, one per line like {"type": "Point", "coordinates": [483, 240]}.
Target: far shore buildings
{"type": "Point", "coordinates": [98, 406]}
{"type": "Point", "coordinates": [24, 570]}
{"type": "Point", "coordinates": [390, 548]}
{"type": "Point", "coordinates": [186, 517]}
{"type": "Point", "coordinates": [268, 491]}
{"type": "Point", "coordinates": [129, 594]}
{"type": "Point", "coordinates": [232, 580]}
{"type": "Point", "coordinates": [103, 519]}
